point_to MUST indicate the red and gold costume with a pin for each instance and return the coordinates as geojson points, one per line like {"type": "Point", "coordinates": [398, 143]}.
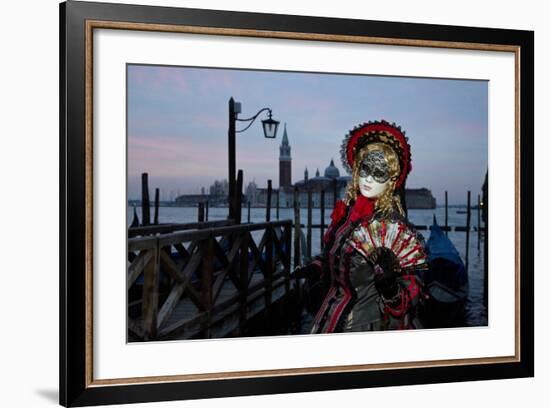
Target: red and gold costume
{"type": "Point", "coordinates": [371, 255]}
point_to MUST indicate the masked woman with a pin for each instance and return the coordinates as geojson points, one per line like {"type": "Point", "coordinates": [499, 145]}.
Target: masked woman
{"type": "Point", "coordinates": [371, 255]}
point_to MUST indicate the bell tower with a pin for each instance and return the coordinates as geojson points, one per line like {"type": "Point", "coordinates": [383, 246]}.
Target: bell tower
{"type": "Point", "coordinates": [285, 162]}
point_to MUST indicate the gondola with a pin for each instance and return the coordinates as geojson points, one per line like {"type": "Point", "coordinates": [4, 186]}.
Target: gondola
{"type": "Point", "coordinates": [446, 282]}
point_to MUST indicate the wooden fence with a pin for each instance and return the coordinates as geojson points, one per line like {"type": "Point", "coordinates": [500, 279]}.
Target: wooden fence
{"type": "Point", "coordinates": [208, 279]}
{"type": "Point", "coordinates": [207, 282]}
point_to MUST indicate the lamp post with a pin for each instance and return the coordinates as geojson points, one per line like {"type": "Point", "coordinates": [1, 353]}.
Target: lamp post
{"type": "Point", "coordinates": [269, 126]}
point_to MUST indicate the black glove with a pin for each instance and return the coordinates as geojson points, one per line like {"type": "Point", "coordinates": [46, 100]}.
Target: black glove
{"type": "Point", "coordinates": [386, 271]}
{"type": "Point", "coordinates": [315, 286]}
{"type": "Point", "coordinates": [307, 271]}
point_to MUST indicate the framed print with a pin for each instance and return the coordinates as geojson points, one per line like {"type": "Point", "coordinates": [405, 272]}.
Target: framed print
{"type": "Point", "coordinates": [255, 203]}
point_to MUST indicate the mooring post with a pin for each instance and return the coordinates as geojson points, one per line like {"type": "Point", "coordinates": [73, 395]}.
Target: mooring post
{"type": "Point", "coordinates": [269, 275]}
{"type": "Point", "coordinates": [268, 204]}
{"type": "Point", "coordinates": [145, 209]}
{"type": "Point", "coordinates": [446, 213]}
{"type": "Point", "coordinates": [249, 211]}
{"type": "Point", "coordinates": [309, 222]}
{"type": "Point", "coordinates": [239, 197]}
{"type": "Point", "coordinates": [297, 221]}
{"type": "Point", "coordinates": [157, 203]}
{"type": "Point", "coordinates": [200, 217]}
{"type": "Point", "coordinates": [207, 209]}
{"type": "Point", "coordinates": [286, 245]}
{"type": "Point", "coordinates": [150, 296]}
{"type": "Point", "coordinates": [322, 218]}
{"type": "Point", "coordinates": [135, 221]}
{"type": "Point", "coordinates": [485, 215]}
{"type": "Point", "coordinates": [278, 191]}
{"type": "Point", "coordinates": [287, 241]}
{"type": "Point", "coordinates": [297, 233]}
{"type": "Point", "coordinates": [468, 217]}
{"type": "Point", "coordinates": [243, 279]}
{"type": "Point", "coordinates": [478, 222]}
{"type": "Point", "coordinates": [207, 272]}
{"type": "Point", "coordinates": [231, 156]}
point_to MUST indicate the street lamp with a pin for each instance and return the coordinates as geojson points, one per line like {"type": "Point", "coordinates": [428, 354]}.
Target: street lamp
{"type": "Point", "coordinates": [269, 126]}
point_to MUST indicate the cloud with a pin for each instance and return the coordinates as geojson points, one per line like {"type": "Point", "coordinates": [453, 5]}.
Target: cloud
{"type": "Point", "coordinates": [158, 78]}
{"type": "Point", "coordinates": [177, 122]}
{"type": "Point", "coordinates": [177, 156]}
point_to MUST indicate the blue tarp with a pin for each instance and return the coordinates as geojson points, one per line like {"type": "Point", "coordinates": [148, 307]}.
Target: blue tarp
{"type": "Point", "coordinates": [446, 267]}
{"type": "Point", "coordinates": [440, 246]}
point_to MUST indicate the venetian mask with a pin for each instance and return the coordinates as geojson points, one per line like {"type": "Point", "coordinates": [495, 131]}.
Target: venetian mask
{"type": "Point", "coordinates": [374, 174]}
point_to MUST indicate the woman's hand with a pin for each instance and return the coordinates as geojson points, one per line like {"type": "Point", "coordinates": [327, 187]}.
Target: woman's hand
{"type": "Point", "coordinates": [386, 271]}
{"type": "Point", "coordinates": [307, 271]}
{"type": "Point", "coordinates": [315, 288]}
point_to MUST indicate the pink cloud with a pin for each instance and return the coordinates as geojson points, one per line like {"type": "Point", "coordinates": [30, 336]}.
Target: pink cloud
{"type": "Point", "coordinates": [181, 156]}
{"type": "Point", "coordinates": [209, 83]}
{"type": "Point", "coordinates": [210, 120]}
{"type": "Point", "coordinates": [159, 78]}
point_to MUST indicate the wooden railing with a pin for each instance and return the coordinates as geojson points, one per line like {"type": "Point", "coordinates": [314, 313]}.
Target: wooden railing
{"type": "Point", "coordinates": [207, 282]}
{"type": "Point", "coordinates": [167, 228]}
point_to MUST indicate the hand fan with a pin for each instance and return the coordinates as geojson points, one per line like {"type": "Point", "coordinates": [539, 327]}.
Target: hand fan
{"type": "Point", "coordinates": [396, 236]}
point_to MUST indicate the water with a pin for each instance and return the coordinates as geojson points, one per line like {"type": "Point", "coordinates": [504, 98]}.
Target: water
{"type": "Point", "coordinates": [476, 315]}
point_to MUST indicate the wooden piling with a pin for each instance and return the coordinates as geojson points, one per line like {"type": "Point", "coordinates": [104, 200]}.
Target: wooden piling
{"type": "Point", "coordinates": [309, 222]}
{"type": "Point", "coordinates": [207, 255]}
{"type": "Point", "coordinates": [322, 217]}
{"type": "Point", "coordinates": [269, 275]}
{"type": "Point", "coordinates": [231, 157]}
{"type": "Point", "coordinates": [200, 217]}
{"type": "Point", "coordinates": [468, 218]}
{"type": "Point", "coordinates": [239, 197]}
{"type": "Point", "coordinates": [145, 209]}
{"type": "Point", "coordinates": [207, 209]}
{"type": "Point", "coordinates": [135, 221]}
{"type": "Point", "coordinates": [485, 215]}
{"type": "Point", "coordinates": [243, 280]}
{"type": "Point", "coordinates": [278, 191]}
{"type": "Point", "coordinates": [446, 213]}
{"type": "Point", "coordinates": [287, 240]}
{"type": "Point", "coordinates": [268, 204]}
{"type": "Point", "coordinates": [249, 211]}
{"type": "Point", "coordinates": [151, 294]}
{"type": "Point", "coordinates": [297, 261]}
{"type": "Point", "coordinates": [297, 234]}
{"type": "Point", "coordinates": [269, 258]}
{"type": "Point", "coordinates": [478, 222]}
{"type": "Point", "coordinates": [157, 203]}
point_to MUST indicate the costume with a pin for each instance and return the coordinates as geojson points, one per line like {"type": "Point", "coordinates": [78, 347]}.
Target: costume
{"type": "Point", "coordinates": [372, 256]}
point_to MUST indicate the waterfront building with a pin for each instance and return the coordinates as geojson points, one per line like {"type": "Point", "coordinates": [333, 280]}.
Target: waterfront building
{"type": "Point", "coordinates": [419, 198]}
{"type": "Point", "coordinates": [331, 179]}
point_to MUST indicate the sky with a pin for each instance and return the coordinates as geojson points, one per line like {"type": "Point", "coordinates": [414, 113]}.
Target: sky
{"type": "Point", "coordinates": [178, 120]}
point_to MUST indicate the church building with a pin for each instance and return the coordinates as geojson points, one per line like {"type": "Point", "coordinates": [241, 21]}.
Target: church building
{"type": "Point", "coordinates": [331, 183]}
{"type": "Point", "coordinates": [327, 182]}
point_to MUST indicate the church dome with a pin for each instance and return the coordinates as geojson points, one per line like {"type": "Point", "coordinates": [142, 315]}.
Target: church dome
{"type": "Point", "coordinates": [332, 171]}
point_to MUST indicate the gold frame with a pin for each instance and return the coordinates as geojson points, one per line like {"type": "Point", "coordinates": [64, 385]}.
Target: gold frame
{"type": "Point", "coordinates": [98, 24]}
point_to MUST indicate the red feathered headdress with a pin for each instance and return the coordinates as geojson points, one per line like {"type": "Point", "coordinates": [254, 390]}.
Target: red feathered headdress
{"type": "Point", "coordinates": [378, 132]}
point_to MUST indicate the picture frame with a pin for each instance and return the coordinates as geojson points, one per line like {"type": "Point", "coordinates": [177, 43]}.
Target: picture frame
{"type": "Point", "coordinates": [79, 21]}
